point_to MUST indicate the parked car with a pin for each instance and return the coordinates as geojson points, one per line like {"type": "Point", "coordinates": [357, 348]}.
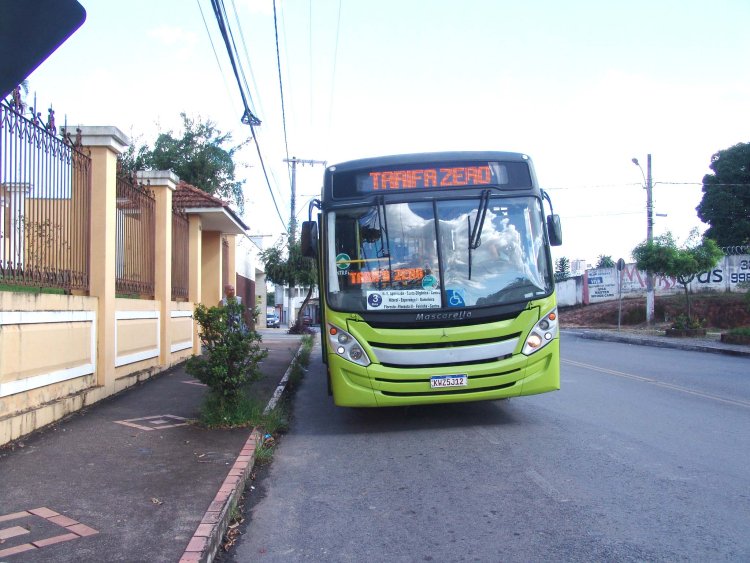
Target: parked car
{"type": "Point", "coordinates": [272, 321]}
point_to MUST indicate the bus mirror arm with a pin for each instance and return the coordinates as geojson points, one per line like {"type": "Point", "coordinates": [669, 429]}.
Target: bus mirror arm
{"type": "Point", "coordinates": [554, 226]}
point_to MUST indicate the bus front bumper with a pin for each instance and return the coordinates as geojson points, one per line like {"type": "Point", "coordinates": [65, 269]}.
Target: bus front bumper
{"type": "Point", "coordinates": [381, 386]}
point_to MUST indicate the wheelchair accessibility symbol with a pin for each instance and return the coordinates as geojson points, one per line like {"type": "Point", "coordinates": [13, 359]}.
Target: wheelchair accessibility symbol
{"type": "Point", "coordinates": [455, 298]}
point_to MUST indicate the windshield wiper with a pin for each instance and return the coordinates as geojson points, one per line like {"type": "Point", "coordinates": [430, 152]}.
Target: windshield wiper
{"type": "Point", "coordinates": [385, 243]}
{"type": "Point", "coordinates": [475, 234]}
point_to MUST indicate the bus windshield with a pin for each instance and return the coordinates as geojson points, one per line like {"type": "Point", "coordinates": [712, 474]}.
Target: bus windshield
{"type": "Point", "coordinates": [443, 254]}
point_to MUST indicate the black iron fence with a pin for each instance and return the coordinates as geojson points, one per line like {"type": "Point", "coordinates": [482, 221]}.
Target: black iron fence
{"type": "Point", "coordinates": [135, 226]}
{"type": "Point", "coordinates": [45, 205]}
{"type": "Point", "coordinates": [180, 255]}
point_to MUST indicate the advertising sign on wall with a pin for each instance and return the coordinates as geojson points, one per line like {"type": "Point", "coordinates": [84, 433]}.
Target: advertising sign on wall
{"type": "Point", "coordinates": [602, 284]}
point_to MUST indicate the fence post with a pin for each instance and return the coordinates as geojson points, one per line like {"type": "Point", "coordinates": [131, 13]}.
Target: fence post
{"type": "Point", "coordinates": [195, 247]}
{"type": "Point", "coordinates": [162, 184]}
{"type": "Point", "coordinates": [232, 260]}
{"type": "Point", "coordinates": [106, 144]}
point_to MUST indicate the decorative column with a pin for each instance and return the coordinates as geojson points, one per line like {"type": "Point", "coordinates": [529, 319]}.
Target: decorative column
{"type": "Point", "coordinates": [195, 249]}
{"type": "Point", "coordinates": [105, 144]}
{"type": "Point", "coordinates": [211, 290]}
{"type": "Point", "coordinates": [163, 184]}
{"type": "Point", "coordinates": [232, 259]}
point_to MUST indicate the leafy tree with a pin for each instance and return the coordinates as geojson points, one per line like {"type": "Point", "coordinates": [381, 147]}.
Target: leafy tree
{"type": "Point", "coordinates": [285, 265]}
{"type": "Point", "coordinates": [726, 196]}
{"type": "Point", "coordinates": [199, 157]}
{"type": "Point", "coordinates": [562, 269]}
{"type": "Point", "coordinates": [663, 257]}
{"type": "Point", "coordinates": [605, 261]}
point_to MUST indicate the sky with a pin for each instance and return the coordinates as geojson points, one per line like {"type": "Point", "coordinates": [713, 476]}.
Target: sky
{"type": "Point", "coordinates": [582, 87]}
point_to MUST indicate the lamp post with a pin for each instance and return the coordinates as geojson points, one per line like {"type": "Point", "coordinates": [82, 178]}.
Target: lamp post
{"type": "Point", "coordinates": [649, 235]}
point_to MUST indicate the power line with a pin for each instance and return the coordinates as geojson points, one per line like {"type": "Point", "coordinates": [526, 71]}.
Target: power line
{"type": "Point", "coordinates": [311, 63]}
{"type": "Point", "coordinates": [248, 117]}
{"type": "Point", "coordinates": [247, 56]}
{"type": "Point", "coordinates": [221, 18]}
{"type": "Point", "coordinates": [213, 48]}
{"type": "Point", "coordinates": [333, 75]}
{"type": "Point", "coordinates": [281, 87]}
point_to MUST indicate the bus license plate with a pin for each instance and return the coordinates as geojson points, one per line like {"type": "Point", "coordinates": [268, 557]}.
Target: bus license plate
{"type": "Point", "coordinates": [449, 381]}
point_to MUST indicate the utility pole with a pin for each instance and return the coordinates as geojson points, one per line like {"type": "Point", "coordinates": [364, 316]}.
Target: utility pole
{"type": "Point", "coordinates": [293, 217]}
{"type": "Point", "coordinates": [650, 239]}
{"type": "Point", "coordinates": [649, 234]}
{"type": "Point", "coordinates": [291, 316]}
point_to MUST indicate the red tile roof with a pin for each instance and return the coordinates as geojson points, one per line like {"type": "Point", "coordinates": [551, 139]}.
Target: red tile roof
{"type": "Point", "coordinates": [187, 196]}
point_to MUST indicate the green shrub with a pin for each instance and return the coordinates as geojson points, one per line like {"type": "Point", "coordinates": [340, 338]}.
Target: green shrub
{"type": "Point", "coordinates": [740, 331]}
{"type": "Point", "coordinates": [231, 353]}
{"type": "Point", "coordinates": [683, 322]}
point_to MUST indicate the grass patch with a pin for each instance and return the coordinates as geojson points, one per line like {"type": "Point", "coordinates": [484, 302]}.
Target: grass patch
{"type": "Point", "coordinates": [216, 413]}
{"type": "Point", "coordinates": [301, 361]}
{"type": "Point", "coordinates": [740, 331]}
{"type": "Point", "coordinates": [264, 452]}
{"type": "Point", "coordinates": [31, 289]}
{"type": "Point", "coordinates": [247, 412]}
{"type": "Point", "coordinates": [275, 421]}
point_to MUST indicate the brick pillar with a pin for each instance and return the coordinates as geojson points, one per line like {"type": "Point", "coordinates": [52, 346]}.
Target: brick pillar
{"type": "Point", "coordinates": [163, 184]}
{"type": "Point", "coordinates": [106, 144]}
{"type": "Point", "coordinates": [195, 249]}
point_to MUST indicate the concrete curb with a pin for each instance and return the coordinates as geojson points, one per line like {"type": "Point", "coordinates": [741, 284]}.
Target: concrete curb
{"type": "Point", "coordinates": [658, 342]}
{"type": "Point", "coordinates": [206, 540]}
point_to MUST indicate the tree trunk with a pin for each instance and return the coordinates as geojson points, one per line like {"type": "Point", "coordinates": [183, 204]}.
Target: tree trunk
{"type": "Point", "coordinates": [687, 300]}
{"type": "Point", "coordinates": [298, 324]}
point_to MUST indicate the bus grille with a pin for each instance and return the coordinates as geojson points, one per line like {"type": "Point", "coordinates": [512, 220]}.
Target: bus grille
{"type": "Point", "coordinates": [445, 354]}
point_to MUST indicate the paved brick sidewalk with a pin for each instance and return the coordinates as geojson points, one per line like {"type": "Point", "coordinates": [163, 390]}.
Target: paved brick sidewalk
{"type": "Point", "coordinates": [130, 478]}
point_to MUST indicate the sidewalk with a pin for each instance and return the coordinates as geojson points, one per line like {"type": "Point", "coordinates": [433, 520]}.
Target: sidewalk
{"type": "Point", "coordinates": [130, 478]}
{"type": "Point", "coordinates": [658, 339]}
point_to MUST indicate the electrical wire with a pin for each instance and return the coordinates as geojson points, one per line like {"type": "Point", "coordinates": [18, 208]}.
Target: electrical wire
{"type": "Point", "coordinates": [248, 117]}
{"type": "Point", "coordinates": [333, 75]}
{"type": "Point", "coordinates": [213, 48]}
{"type": "Point", "coordinates": [311, 63]}
{"type": "Point", "coordinates": [247, 56]}
{"type": "Point", "coordinates": [281, 87]}
{"type": "Point", "coordinates": [226, 34]}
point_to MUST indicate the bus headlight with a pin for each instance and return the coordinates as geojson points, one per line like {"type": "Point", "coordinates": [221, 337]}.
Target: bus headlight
{"type": "Point", "coordinates": [542, 333]}
{"type": "Point", "coordinates": [346, 346]}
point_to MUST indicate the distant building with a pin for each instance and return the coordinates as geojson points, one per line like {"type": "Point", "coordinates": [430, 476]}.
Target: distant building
{"type": "Point", "coordinates": [578, 267]}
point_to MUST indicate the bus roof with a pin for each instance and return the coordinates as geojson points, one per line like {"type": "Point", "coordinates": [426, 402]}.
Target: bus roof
{"type": "Point", "coordinates": [425, 157]}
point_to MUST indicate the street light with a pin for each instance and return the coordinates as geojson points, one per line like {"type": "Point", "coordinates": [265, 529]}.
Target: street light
{"type": "Point", "coordinates": [649, 235]}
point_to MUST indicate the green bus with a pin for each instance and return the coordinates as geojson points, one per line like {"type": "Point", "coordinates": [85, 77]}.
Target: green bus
{"type": "Point", "coordinates": [436, 279]}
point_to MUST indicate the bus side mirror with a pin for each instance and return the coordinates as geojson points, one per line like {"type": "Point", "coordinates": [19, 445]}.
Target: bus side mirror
{"type": "Point", "coordinates": [309, 239]}
{"type": "Point", "coordinates": [554, 230]}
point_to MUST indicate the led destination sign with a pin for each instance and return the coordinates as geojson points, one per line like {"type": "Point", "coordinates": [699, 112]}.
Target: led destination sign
{"type": "Point", "coordinates": [431, 176]}
{"type": "Point", "coordinates": [427, 178]}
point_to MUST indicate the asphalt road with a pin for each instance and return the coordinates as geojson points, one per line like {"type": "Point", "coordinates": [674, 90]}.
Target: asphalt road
{"type": "Point", "coordinates": [644, 455]}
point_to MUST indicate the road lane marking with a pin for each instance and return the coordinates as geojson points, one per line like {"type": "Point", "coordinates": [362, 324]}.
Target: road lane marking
{"type": "Point", "coordinates": [671, 386]}
{"type": "Point", "coordinates": [549, 489]}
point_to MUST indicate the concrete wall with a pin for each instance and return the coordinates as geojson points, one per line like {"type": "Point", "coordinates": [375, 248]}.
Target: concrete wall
{"type": "Point", "coordinates": [604, 284]}
{"type": "Point", "coordinates": [59, 353]}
